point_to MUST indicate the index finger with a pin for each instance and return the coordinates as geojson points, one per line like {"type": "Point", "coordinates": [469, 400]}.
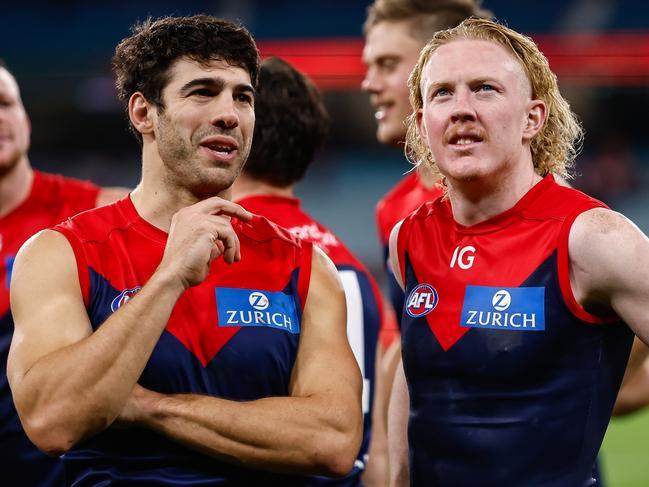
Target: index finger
{"type": "Point", "coordinates": [219, 206]}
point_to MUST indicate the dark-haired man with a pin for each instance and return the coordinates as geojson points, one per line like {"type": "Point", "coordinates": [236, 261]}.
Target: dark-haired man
{"type": "Point", "coordinates": [291, 124]}
{"type": "Point", "coordinates": [180, 340]}
{"type": "Point", "coordinates": [30, 201]}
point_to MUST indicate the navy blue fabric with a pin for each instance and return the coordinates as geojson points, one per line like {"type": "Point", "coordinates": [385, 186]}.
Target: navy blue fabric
{"type": "Point", "coordinates": [256, 362]}
{"type": "Point", "coordinates": [512, 407]}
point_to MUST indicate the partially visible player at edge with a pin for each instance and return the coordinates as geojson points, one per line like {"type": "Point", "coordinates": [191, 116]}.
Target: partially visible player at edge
{"type": "Point", "coordinates": [291, 124]}
{"type": "Point", "coordinates": [514, 359]}
{"type": "Point", "coordinates": [30, 201]}
{"type": "Point", "coordinates": [178, 338]}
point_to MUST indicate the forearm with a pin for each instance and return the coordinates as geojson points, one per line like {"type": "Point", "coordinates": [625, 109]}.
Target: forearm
{"type": "Point", "coordinates": [398, 413]}
{"type": "Point", "coordinates": [80, 389]}
{"type": "Point", "coordinates": [284, 434]}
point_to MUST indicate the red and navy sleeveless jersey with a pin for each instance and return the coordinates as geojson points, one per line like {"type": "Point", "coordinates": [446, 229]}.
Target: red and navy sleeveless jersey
{"type": "Point", "coordinates": [52, 199]}
{"type": "Point", "coordinates": [511, 382]}
{"type": "Point", "coordinates": [234, 336]}
{"type": "Point", "coordinates": [364, 307]}
{"type": "Point", "coordinates": [408, 195]}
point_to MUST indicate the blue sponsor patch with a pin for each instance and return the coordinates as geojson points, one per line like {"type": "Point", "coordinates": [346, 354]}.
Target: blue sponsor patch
{"type": "Point", "coordinates": [123, 297]}
{"type": "Point", "coordinates": [248, 307]}
{"type": "Point", "coordinates": [504, 308]}
{"type": "Point", "coordinates": [421, 300]}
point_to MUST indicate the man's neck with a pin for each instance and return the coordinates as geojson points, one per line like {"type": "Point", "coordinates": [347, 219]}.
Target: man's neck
{"type": "Point", "coordinates": [427, 177]}
{"type": "Point", "coordinates": [15, 186]}
{"type": "Point", "coordinates": [479, 200]}
{"type": "Point", "coordinates": [245, 186]}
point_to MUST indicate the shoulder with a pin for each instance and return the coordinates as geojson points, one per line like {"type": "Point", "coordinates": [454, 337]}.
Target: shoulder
{"type": "Point", "coordinates": [95, 223]}
{"type": "Point", "coordinates": [607, 252]}
{"type": "Point", "coordinates": [66, 188]}
{"type": "Point", "coordinates": [600, 230]}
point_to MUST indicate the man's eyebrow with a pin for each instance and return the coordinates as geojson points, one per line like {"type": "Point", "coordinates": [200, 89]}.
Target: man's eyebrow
{"type": "Point", "coordinates": [246, 88]}
{"type": "Point", "coordinates": [216, 83]}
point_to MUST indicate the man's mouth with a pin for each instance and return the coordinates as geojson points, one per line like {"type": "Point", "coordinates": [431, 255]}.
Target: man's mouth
{"type": "Point", "coordinates": [381, 110]}
{"type": "Point", "coordinates": [465, 139]}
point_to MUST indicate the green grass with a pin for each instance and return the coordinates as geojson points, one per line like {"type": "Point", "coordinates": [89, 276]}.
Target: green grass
{"type": "Point", "coordinates": [625, 452]}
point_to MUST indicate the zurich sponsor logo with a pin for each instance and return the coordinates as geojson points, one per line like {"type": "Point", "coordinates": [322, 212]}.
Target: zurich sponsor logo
{"type": "Point", "coordinates": [123, 297]}
{"type": "Point", "coordinates": [247, 307]}
{"type": "Point", "coordinates": [518, 308]}
{"type": "Point", "coordinates": [258, 300]}
{"type": "Point", "coordinates": [421, 300]}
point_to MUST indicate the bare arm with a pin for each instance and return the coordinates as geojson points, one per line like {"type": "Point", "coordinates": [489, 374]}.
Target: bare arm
{"type": "Point", "coordinates": [398, 413]}
{"type": "Point", "coordinates": [634, 393]}
{"type": "Point", "coordinates": [316, 429]}
{"type": "Point", "coordinates": [609, 265]}
{"type": "Point", "coordinates": [376, 471]}
{"type": "Point", "coordinates": [68, 382]}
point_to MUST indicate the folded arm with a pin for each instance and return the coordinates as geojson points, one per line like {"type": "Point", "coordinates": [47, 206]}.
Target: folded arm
{"type": "Point", "coordinates": [316, 429]}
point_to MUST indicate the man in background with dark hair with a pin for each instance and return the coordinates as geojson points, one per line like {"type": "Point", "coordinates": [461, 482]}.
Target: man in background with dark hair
{"type": "Point", "coordinates": [30, 201]}
{"type": "Point", "coordinates": [291, 124]}
{"type": "Point", "coordinates": [178, 339]}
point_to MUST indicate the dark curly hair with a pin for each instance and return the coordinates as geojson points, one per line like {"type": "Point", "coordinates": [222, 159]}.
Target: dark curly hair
{"type": "Point", "coordinates": [291, 124]}
{"type": "Point", "coordinates": [142, 61]}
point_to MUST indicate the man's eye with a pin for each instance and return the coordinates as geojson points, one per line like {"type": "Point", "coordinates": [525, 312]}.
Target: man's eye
{"type": "Point", "coordinates": [441, 92]}
{"type": "Point", "coordinates": [244, 98]}
{"type": "Point", "coordinates": [486, 87]}
{"type": "Point", "coordinates": [202, 92]}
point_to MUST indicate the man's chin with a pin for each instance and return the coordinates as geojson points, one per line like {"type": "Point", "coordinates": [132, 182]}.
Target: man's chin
{"type": "Point", "coordinates": [390, 136]}
{"type": "Point", "coordinates": [7, 163]}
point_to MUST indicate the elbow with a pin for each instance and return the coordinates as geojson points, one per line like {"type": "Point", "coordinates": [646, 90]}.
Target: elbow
{"type": "Point", "coordinates": [49, 437]}
{"type": "Point", "coordinates": [339, 451]}
{"type": "Point", "coordinates": [55, 430]}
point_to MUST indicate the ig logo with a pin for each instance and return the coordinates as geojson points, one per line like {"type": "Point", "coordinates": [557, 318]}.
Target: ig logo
{"type": "Point", "coordinates": [501, 300]}
{"type": "Point", "coordinates": [258, 300]}
{"type": "Point", "coordinates": [464, 257]}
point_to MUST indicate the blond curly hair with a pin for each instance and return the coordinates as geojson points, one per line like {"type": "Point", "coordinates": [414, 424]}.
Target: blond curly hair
{"type": "Point", "coordinates": [555, 147]}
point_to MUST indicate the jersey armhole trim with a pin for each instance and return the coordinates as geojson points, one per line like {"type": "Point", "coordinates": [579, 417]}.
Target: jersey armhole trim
{"type": "Point", "coordinates": [402, 241]}
{"type": "Point", "coordinates": [80, 257]}
{"type": "Point", "coordinates": [563, 272]}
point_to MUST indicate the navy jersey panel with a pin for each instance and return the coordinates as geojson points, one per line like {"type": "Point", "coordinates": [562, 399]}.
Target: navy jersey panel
{"type": "Point", "coordinates": [234, 336]}
{"type": "Point", "coordinates": [507, 385]}
{"type": "Point", "coordinates": [498, 404]}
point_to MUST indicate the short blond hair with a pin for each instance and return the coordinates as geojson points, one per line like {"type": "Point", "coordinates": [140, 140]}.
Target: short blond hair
{"type": "Point", "coordinates": [424, 17]}
{"type": "Point", "coordinates": [555, 147]}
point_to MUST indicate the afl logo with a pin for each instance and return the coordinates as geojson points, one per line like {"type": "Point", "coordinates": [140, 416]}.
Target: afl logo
{"type": "Point", "coordinates": [258, 300]}
{"type": "Point", "coordinates": [123, 297]}
{"type": "Point", "coordinates": [421, 300]}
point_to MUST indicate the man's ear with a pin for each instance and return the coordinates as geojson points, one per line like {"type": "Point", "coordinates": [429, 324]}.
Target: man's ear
{"type": "Point", "coordinates": [536, 117]}
{"type": "Point", "coordinates": [141, 113]}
